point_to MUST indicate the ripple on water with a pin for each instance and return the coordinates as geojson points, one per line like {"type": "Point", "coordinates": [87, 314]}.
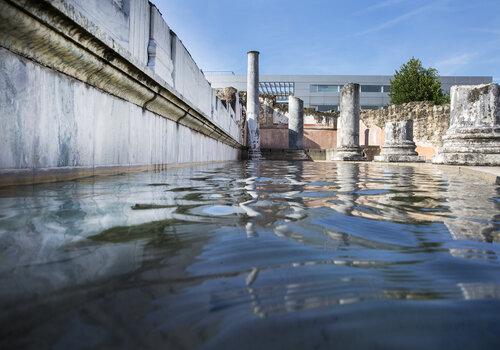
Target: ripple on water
{"type": "Point", "coordinates": [260, 255]}
{"type": "Point", "coordinates": [218, 210]}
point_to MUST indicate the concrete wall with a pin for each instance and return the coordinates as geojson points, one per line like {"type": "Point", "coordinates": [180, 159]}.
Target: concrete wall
{"type": "Point", "coordinates": [189, 81]}
{"type": "Point", "coordinates": [79, 122]}
{"type": "Point", "coordinates": [160, 47]}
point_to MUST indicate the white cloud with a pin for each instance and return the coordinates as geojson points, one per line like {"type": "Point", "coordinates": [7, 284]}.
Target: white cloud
{"type": "Point", "coordinates": [485, 30]}
{"type": "Point", "coordinates": [402, 18]}
{"type": "Point", "coordinates": [451, 64]}
{"type": "Point", "coordinates": [380, 5]}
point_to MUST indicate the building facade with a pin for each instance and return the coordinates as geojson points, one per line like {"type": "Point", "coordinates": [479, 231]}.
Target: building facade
{"type": "Point", "coordinates": [322, 92]}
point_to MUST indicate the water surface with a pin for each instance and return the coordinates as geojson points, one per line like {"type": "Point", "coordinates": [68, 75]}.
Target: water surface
{"type": "Point", "coordinates": [261, 255]}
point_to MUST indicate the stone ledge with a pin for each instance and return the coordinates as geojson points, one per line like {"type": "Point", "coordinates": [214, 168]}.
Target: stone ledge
{"type": "Point", "coordinates": [20, 177]}
{"type": "Point", "coordinates": [398, 158]}
{"type": "Point", "coordinates": [490, 174]}
{"type": "Point", "coordinates": [43, 33]}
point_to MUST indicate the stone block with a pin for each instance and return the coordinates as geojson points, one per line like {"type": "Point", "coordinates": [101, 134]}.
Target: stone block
{"type": "Point", "coordinates": [473, 137]}
{"type": "Point", "coordinates": [399, 145]}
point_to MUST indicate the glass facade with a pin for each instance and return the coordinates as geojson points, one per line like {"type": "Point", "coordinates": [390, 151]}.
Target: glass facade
{"type": "Point", "coordinates": [324, 88]}
{"type": "Point", "coordinates": [337, 88]}
{"type": "Point", "coordinates": [325, 108]}
{"type": "Point", "coordinates": [371, 88]}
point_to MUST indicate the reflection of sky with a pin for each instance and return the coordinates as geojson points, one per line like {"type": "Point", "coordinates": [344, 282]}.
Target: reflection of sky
{"type": "Point", "coordinates": [191, 248]}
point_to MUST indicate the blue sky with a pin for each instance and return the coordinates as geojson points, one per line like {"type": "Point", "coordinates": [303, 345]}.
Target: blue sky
{"type": "Point", "coordinates": [458, 37]}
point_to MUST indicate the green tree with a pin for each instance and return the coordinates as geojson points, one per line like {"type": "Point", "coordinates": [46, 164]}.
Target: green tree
{"type": "Point", "coordinates": [413, 82]}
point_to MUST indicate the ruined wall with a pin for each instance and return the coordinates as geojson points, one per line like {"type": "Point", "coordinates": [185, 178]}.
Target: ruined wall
{"type": "Point", "coordinates": [123, 93]}
{"type": "Point", "coordinates": [430, 124]}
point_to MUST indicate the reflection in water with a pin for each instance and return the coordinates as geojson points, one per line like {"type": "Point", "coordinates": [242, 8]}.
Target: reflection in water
{"type": "Point", "coordinates": [295, 254]}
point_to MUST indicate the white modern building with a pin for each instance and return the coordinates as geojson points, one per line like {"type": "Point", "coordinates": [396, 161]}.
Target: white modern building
{"type": "Point", "coordinates": [322, 91]}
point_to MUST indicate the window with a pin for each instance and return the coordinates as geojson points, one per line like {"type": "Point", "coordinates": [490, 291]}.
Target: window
{"type": "Point", "coordinates": [387, 88]}
{"type": "Point", "coordinates": [324, 88]}
{"type": "Point", "coordinates": [325, 108]}
{"type": "Point", "coordinates": [371, 107]}
{"type": "Point", "coordinates": [371, 88]}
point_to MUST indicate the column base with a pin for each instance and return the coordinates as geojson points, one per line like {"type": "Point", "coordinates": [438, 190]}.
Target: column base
{"type": "Point", "coordinates": [254, 155]}
{"type": "Point", "coordinates": [399, 153]}
{"type": "Point", "coordinates": [399, 158]}
{"type": "Point", "coordinates": [470, 149]}
{"type": "Point", "coordinates": [467, 158]}
{"type": "Point", "coordinates": [348, 154]}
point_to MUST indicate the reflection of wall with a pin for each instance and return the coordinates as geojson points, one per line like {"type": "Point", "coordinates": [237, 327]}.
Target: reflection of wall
{"type": "Point", "coordinates": [469, 217]}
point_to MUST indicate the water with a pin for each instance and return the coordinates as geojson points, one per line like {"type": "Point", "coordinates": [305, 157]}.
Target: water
{"type": "Point", "coordinates": [253, 255]}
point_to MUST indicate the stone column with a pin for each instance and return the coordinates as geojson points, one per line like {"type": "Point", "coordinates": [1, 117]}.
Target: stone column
{"type": "Point", "coordinates": [473, 137]}
{"type": "Point", "coordinates": [253, 104]}
{"type": "Point", "coordinates": [348, 125]}
{"type": "Point", "coordinates": [295, 123]}
{"type": "Point", "coordinates": [399, 145]}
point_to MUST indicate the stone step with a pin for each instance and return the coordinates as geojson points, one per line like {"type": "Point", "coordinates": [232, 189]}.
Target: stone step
{"type": "Point", "coordinates": [285, 154]}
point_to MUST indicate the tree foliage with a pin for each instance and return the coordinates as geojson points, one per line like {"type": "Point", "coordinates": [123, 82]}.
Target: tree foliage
{"type": "Point", "coordinates": [413, 82]}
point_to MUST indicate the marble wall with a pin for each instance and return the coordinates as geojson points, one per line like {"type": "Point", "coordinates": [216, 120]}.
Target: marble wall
{"type": "Point", "coordinates": [54, 121]}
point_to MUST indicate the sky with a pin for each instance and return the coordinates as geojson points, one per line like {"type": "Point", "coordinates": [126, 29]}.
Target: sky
{"type": "Point", "coordinates": [458, 37]}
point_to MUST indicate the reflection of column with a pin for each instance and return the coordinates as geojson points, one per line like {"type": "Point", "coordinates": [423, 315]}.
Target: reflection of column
{"type": "Point", "coordinates": [480, 291]}
{"type": "Point", "coordinates": [253, 104]}
{"type": "Point", "coordinates": [472, 210]}
{"type": "Point", "coordinates": [250, 188]}
{"type": "Point", "coordinates": [399, 145]}
{"type": "Point", "coordinates": [347, 178]}
{"type": "Point", "coordinates": [295, 123]}
{"type": "Point", "coordinates": [348, 129]}
{"type": "Point", "coordinates": [473, 137]}
{"type": "Point", "coordinates": [396, 203]}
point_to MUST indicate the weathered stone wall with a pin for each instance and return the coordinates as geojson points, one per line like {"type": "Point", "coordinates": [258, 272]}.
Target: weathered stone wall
{"type": "Point", "coordinates": [122, 93]}
{"type": "Point", "coordinates": [430, 122]}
